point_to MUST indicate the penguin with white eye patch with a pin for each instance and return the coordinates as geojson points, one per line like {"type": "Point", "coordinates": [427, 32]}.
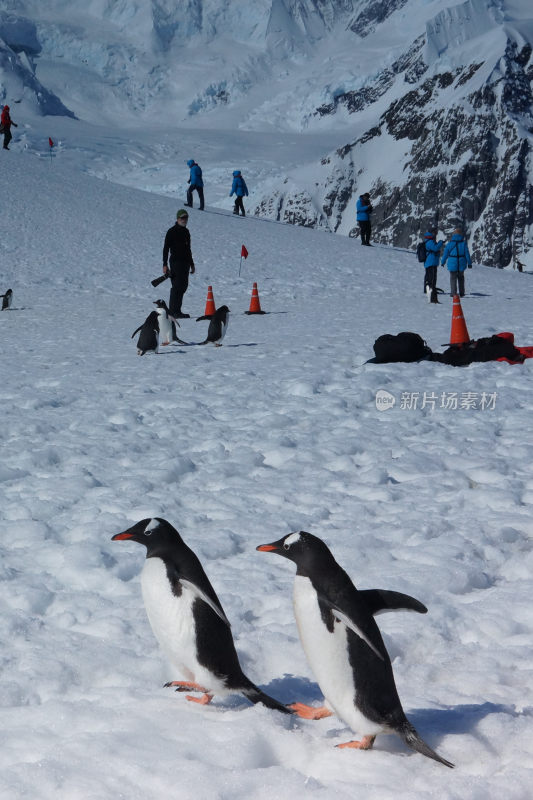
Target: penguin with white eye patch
{"type": "Point", "coordinates": [187, 618]}
{"type": "Point", "coordinates": [344, 646]}
{"type": "Point", "coordinates": [167, 325]}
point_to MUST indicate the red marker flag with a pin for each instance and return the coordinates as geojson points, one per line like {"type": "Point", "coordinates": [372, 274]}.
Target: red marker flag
{"type": "Point", "coordinates": [50, 142]}
{"type": "Point", "coordinates": [244, 254]}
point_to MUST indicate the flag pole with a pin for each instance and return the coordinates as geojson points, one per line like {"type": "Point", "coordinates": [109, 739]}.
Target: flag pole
{"type": "Point", "coordinates": [244, 254]}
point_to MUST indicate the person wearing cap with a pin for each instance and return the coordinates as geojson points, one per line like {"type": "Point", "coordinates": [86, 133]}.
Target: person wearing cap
{"type": "Point", "coordinates": [431, 263]}
{"type": "Point", "coordinates": [458, 258]}
{"type": "Point", "coordinates": [240, 190]}
{"type": "Point", "coordinates": [364, 209]}
{"type": "Point", "coordinates": [6, 123]}
{"type": "Point", "coordinates": [196, 183]}
{"type": "Point", "coordinates": [178, 245]}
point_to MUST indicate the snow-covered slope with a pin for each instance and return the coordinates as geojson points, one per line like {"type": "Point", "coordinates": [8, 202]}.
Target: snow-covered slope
{"type": "Point", "coordinates": [275, 431]}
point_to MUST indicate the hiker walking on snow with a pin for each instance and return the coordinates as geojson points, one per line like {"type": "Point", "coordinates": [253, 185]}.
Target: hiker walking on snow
{"type": "Point", "coordinates": [364, 209]}
{"type": "Point", "coordinates": [431, 262]}
{"type": "Point", "coordinates": [240, 190]}
{"type": "Point", "coordinates": [458, 258]}
{"type": "Point", "coordinates": [6, 123]}
{"type": "Point", "coordinates": [195, 183]}
{"type": "Point", "coordinates": [178, 244]}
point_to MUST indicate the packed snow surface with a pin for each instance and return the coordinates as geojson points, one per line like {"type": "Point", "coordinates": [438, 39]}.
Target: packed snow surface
{"type": "Point", "coordinates": [276, 431]}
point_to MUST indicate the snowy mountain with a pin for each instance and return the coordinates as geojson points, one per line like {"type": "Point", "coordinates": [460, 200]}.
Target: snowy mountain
{"type": "Point", "coordinates": [428, 106]}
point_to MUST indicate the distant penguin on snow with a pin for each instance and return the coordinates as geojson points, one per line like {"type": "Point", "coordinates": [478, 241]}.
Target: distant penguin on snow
{"type": "Point", "coordinates": [344, 646]}
{"type": "Point", "coordinates": [218, 325]}
{"type": "Point", "coordinates": [149, 337]}
{"type": "Point", "coordinates": [7, 299]}
{"type": "Point", "coordinates": [167, 325]}
{"type": "Point", "coordinates": [187, 618]}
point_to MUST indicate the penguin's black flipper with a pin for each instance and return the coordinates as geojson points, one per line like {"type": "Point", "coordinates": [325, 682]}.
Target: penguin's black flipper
{"type": "Point", "coordinates": [408, 733]}
{"type": "Point", "coordinates": [255, 695]}
{"type": "Point", "coordinates": [347, 609]}
{"type": "Point", "coordinates": [136, 331]}
{"type": "Point", "coordinates": [379, 601]}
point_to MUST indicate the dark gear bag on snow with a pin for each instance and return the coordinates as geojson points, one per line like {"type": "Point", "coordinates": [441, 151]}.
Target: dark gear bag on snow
{"type": "Point", "coordinates": [405, 346]}
{"type": "Point", "coordinates": [489, 348]}
{"type": "Point", "coordinates": [421, 252]}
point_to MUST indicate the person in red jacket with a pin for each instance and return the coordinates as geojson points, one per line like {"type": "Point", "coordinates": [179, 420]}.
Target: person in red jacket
{"type": "Point", "coordinates": [7, 122]}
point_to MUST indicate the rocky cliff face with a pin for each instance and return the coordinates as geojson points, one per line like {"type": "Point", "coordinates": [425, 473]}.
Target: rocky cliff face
{"type": "Point", "coordinates": [460, 141]}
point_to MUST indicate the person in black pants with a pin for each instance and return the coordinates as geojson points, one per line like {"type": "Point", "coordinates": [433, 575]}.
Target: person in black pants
{"type": "Point", "coordinates": [178, 244]}
{"type": "Point", "coordinates": [6, 123]}
{"type": "Point", "coordinates": [364, 209]}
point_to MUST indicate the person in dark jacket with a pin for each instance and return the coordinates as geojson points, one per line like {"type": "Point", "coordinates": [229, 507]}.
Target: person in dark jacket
{"type": "Point", "coordinates": [364, 209]}
{"type": "Point", "coordinates": [458, 258]}
{"type": "Point", "coordinates": [178, 244]}
{"type": "Point", "coordinates": [196, 183]}
{"type": "Point", "coordinates": [6, 123]}
{"type": "Point", "coordinates": [240, 190]}
{"type": "Point", "coordinates": [431, 263]}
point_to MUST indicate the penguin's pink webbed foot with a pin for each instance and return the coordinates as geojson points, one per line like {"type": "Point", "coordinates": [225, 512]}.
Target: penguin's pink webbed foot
{"type": "Point", "coordinates": [186, 686]}
{"type": "Point", "coordinates": [310, 712]}
{"type": "Point", "coordinates": [366, 743]}
{"type": "Point", "coordinates": [203, 700]}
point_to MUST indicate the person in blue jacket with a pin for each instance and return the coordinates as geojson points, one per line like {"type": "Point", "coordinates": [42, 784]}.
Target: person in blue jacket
{"type": "Point", "coordinates": [195, 183]}
{"type": "Point", "coordinates": [431, 263]}
{"type": "Point", "coordinates": [458, 258]}
{"type": "Point", "coordinates": [240, 190]}
{"type": "Point", "coordinates": [364, 209]}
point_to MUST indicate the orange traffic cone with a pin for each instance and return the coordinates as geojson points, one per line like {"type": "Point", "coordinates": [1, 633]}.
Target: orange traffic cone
{"type": "Point", "coordinates": [255, 305]}
{"type": "Point", "coordinates": [459, 333]}
{"type": "Point", "coordinates": [209, 305]}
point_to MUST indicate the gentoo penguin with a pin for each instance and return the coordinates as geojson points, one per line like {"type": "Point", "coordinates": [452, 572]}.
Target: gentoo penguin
{"type": "Point", "coordinates": [343, 644]}
{"type": "Point", "coordinates": [187, 618]}
{"type": "Point", "coordinates": [167, 325]}
{"type": "Point", "coordinates": [7, 299]}
{"type": "Point", "coordinates": [218, 325]}
{"type": "Point", "coordinates": [149, 337]}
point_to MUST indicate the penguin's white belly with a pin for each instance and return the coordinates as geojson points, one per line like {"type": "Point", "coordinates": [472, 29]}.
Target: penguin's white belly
{"type": "Point", "coordinates": [173, 624]}
{"type": "Point", "coordinates": [327, 654]}
{"type": "Point", "coordinates": [165, 330]}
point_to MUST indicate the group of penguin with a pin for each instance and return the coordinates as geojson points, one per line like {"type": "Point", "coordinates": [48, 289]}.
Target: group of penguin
{"type": "Point", "coordinates": [159, 328]}
{"type": "Point", "coordinates": [335, 622]}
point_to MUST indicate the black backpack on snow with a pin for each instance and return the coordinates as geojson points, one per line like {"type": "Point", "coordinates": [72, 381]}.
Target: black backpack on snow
{"type": "Point", "coordinates": [421, 252]}
{"type": "Point", "coordinates": [490, 348]}
{"type": "Point", "coordinates": [405, 346]}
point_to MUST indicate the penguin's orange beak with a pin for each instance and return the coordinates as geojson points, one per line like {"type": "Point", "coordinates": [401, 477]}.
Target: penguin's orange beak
{"type": "Point", "coordinates": [266, 548]}
{"type": "Point", "coordinates": [124, 535]}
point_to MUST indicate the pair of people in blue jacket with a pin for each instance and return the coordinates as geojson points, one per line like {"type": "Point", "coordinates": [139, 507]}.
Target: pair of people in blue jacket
{"type": "Point", "coordinates": [456, 256]}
